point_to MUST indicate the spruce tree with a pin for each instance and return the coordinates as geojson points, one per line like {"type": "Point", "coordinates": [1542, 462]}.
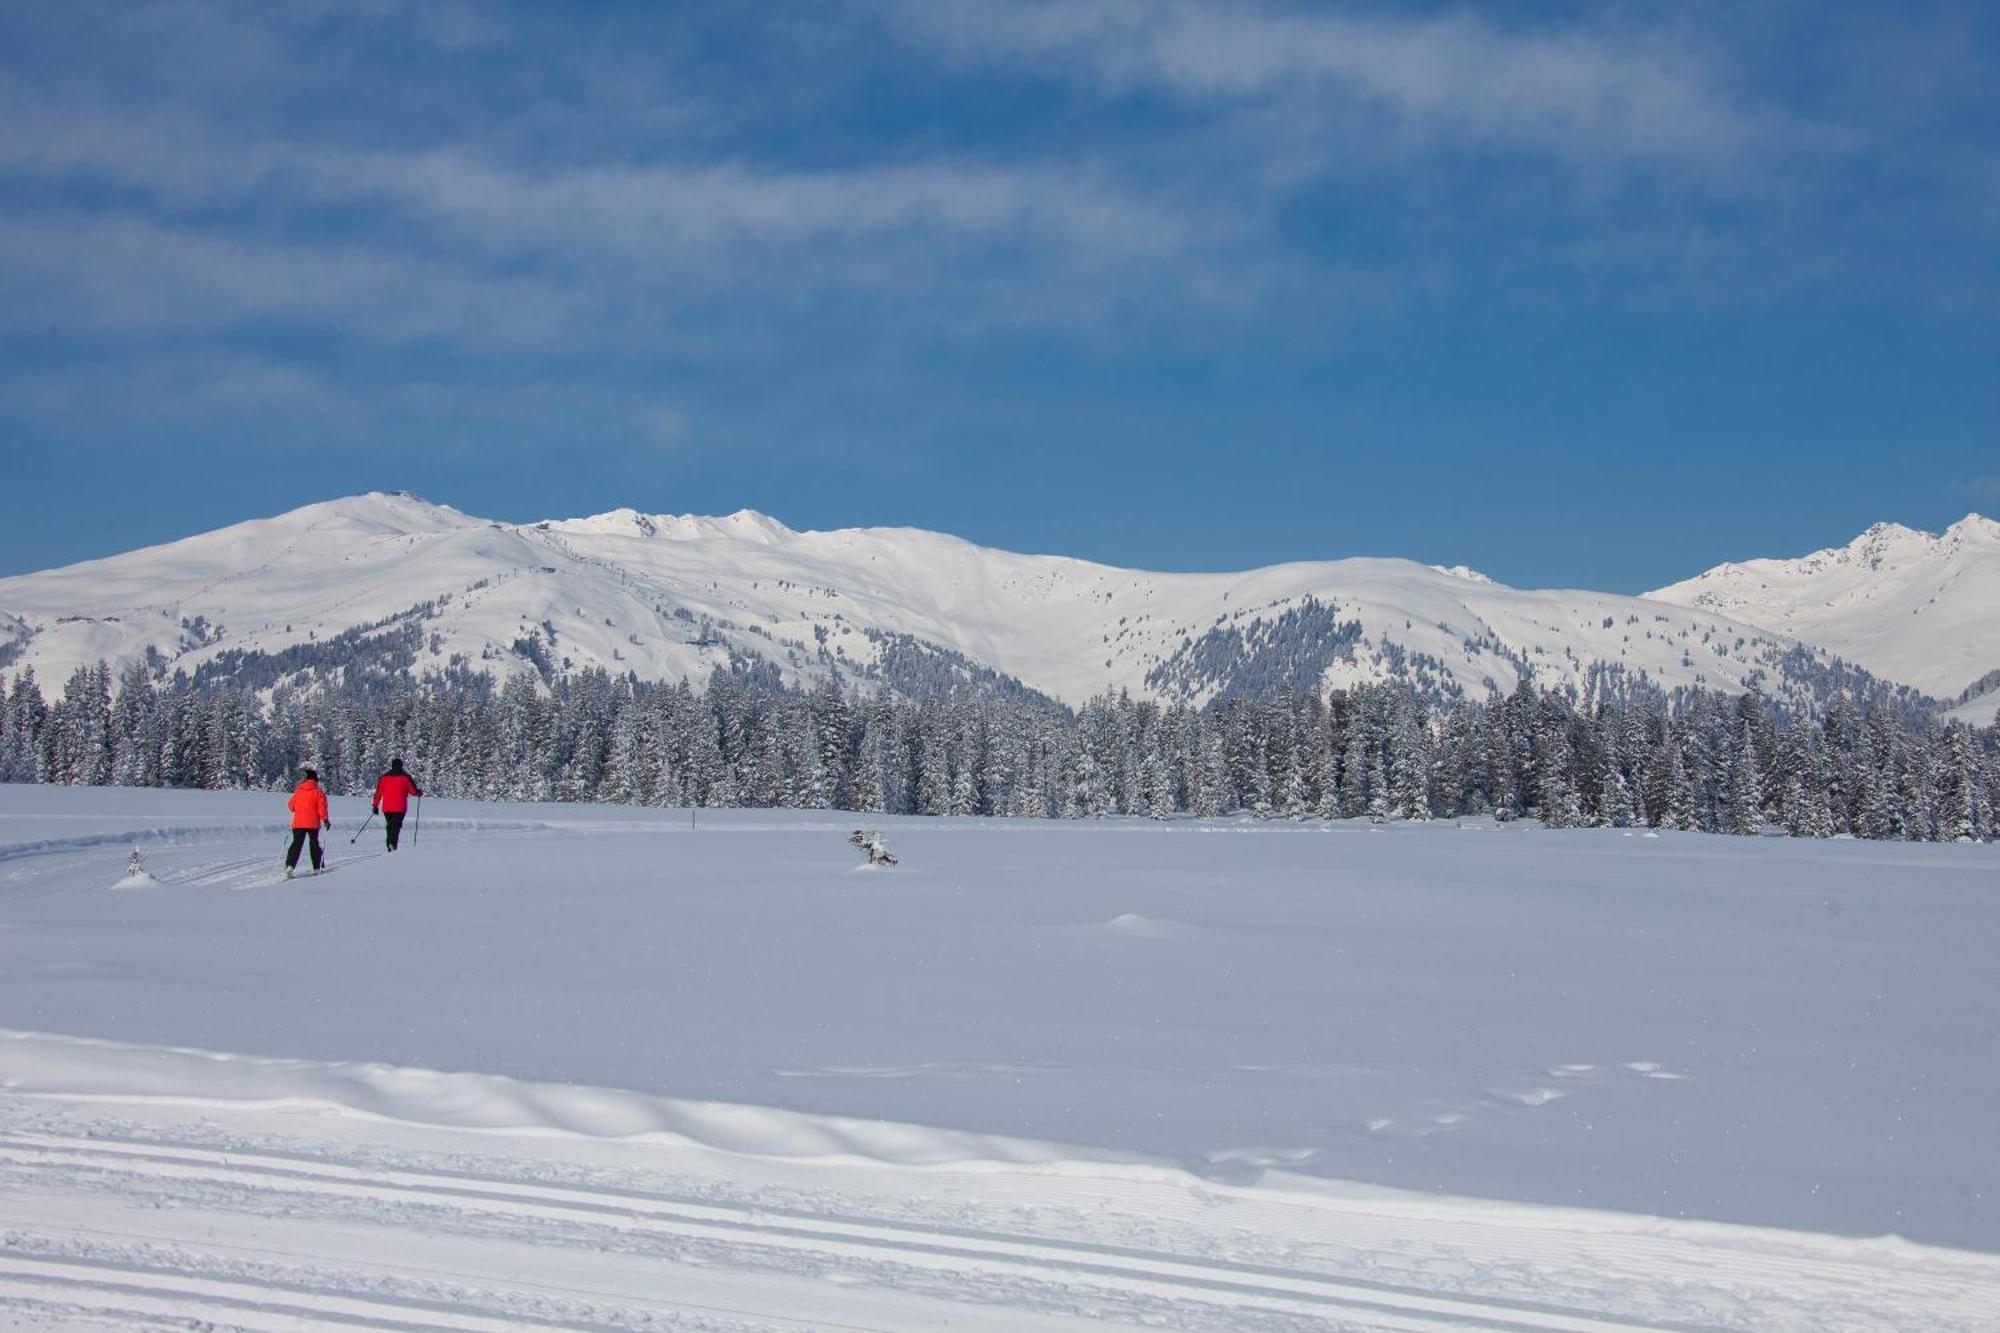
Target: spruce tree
{"type": "Point", "coordinates": [1746, 801]}
{"type": "Point", "coordinates": [1684, 802]}
{"type": "Point", "coordinates": [1958, 799]}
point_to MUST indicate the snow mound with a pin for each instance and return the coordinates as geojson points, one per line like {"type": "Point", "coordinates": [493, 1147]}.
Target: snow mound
{"type": "Point", "coordinates": [1133, 926]}
{"type": "Point", "coordinates": [138, 879]}
{"type": "Point", "coordinates": [86, 1067]}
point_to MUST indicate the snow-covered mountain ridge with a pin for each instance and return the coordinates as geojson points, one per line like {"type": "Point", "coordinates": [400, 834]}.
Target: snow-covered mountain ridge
{"type": "Point", "coordinates": [1917, 607]}
{"type": "Point", "coordinates": [384, 582]}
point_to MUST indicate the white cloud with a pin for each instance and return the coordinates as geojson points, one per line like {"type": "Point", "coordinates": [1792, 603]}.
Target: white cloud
{"type": "Point", "coordinates": [202, 230]}
{"type": "Point", "coordinates": [654, 209]}
{"type": "Point", "coordinates": [634, 208]}
{"type": "Point", "coordinates": [1576, 94]}
{"type": "Point", "coordinates": [146, 204]}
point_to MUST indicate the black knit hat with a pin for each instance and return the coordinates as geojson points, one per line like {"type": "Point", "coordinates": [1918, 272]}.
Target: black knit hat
{"type": "Point", "coordinates": [312, 776]}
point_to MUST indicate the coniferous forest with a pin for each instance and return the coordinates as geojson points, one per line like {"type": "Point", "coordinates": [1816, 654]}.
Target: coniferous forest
{"type": "Point", "coordinates": [1694, 760]}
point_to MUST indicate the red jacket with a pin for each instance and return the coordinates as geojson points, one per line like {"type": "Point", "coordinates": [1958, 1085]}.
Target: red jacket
{"type": "Point", "coordinates": [308, 805]}
{"type": "Point", "coordinates": [393, 793]}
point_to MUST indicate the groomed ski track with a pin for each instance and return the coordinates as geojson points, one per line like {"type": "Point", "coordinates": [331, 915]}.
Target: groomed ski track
{"type": "Point", "coordinates": [141, 1214]}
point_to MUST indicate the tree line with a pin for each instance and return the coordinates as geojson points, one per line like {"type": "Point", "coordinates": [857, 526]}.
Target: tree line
{"type": "Point", "coordinates": [1635, 757]}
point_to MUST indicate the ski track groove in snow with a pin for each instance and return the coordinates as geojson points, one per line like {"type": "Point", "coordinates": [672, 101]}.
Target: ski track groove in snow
{"type": "Point", "coordinates": [171, 836]}
{"type": "Point", "coordinates": [132, 1168]}
{"type": "Point", "coordinates": [395, 1238]}
{"type": "Point", "coordinates": [125, 1291]}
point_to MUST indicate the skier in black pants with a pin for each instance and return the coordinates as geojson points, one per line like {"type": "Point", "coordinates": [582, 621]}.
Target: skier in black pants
{"type": "Point", "coordinates": [393, 791]}
{"type": "Point", "coordinates": [308, 807]}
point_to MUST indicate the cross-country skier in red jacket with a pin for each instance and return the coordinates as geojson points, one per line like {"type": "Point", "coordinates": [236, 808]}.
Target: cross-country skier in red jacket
{"type": "Point", "coordinates": [308, 807]}
{"type": "Point", "coordinates": [393, 791]}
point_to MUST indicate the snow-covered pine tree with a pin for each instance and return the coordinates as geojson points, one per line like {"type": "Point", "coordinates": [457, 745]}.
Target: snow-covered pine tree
{"type": "Point", "coordinates": [1156, 783]}
{"type": "Point", "coordinates": [1684, 800]}
{"type": "Point", "coordinates": [1410, 771]}
{"type": "Point", "coordinates": [1358, 758]}
{"type": "Point", "coordinates": [1958, 802]}
{"type": "Point", "coordinates": [1289, 794]}
{"type": "Point", "coordinates": [1216, 793]}
{"type": "Point", "coordinates": [1615, 804]}
{"type": "Point", "coordinates": [1745, 815]}
{"type": "Point", "coordinates": [135, 730]}
{"type": "Point", "coordinates": [1917, 787]}
{"type": "Point", "coordinates": [968, 757]}
{"type": "Point", "coordinates": [1502, 773]}
{"type": "Point", "coordinates": [1452, 773]}
{"type": "Point", "coordinates": [933, 760]}
{"type": "Point", "coordinates": [1557, 799]}
{"type": "Point", "coordinates": [23, 742]}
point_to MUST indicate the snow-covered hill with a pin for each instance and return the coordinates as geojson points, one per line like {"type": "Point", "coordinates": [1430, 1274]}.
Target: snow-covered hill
{"type": "Point", "coordinates": [1979, 704]}
{"type": "Point", "coordinates": [1917, 607]}
{"type": "Point", "coordinates": [393, 582]}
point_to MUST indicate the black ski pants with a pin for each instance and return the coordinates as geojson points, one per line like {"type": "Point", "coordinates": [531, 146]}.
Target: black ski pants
{"type": "Point", "coordinates": [299, 838]}
{"type": "Point", "coordinates": [392, 820]}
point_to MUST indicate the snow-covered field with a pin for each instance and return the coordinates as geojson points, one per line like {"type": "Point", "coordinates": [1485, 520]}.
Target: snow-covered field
{"type": "Point", "coordinates": [586, 1067]}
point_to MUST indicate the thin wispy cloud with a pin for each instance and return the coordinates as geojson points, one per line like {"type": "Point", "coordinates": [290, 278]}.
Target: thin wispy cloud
{"type": "Point", "coordinates": [209, 231]}
{"type": "Point", "coordinates": [198, 220]}
{"type": "Point", "coordinates": [1579, 93]}
{"type": "Point", "coordinates": [186, 167]}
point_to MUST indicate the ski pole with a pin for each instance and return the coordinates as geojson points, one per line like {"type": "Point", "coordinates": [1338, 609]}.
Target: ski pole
{"type": "Point", "coordinates": [417, 822]}
{"type": "Point", "coordinates": [363, 829]}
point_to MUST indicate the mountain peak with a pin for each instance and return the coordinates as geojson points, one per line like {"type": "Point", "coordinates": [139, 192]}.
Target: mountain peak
{"type": "Point", "coordinates": [1883, 536]}
{"type": "Point", "coordinates": [380, 513]}
{"type": "Point", "coordinates": [623, 521]}
{"type": "Point", "coordinates": [1909, 605]}
{"type": "Point", "coordinates": [744, 524]}
{"type": "Point", "coordinates": [749, 523]}
{"type": "Point", "coordinates": [379, 500]}
{"type": "Point", "coordinates": [1972, 526]}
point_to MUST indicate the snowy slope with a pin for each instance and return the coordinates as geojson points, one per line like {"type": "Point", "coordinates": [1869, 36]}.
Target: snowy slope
{"type": "Point", "coordinates": [584, 1066]}
{"type": "Point", "coordinates": [1918, 607]}
{"type": "Point", "coordinates": [673, 596]}
{"type": "Point", "coordinates": [1979, 710]}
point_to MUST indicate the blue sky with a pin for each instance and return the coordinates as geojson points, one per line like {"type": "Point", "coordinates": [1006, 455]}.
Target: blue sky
{"type": "Point", "coordinates": [1578, 294]}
